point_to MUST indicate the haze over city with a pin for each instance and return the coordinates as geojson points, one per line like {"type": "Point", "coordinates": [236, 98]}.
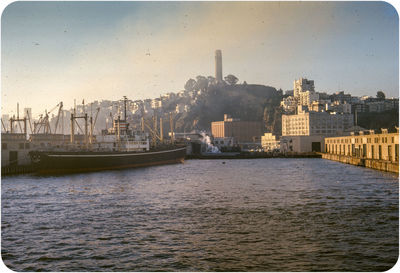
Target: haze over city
{"type": "Point", "coordinates": [58, 51]}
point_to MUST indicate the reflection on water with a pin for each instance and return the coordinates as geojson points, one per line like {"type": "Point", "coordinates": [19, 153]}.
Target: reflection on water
{"type": "Point", "coordinates": [243, 215]}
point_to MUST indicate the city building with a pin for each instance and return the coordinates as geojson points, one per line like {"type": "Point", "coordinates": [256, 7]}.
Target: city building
{"type": "Point", "coordinates": [360, 108]}
{"type": "Point", "coordinates": [218, 66]}
{"type": "Point", "coordinates": [302, 85]}
{"type": "Point", "coordinates": [269, 142]}
{"type": "Point", "coordinates": [383, 105]}
{"type": "Point", "coordinates": [181, 108]}
{"type": "Point", "coordinates": [339, 107]}
{"type": "Point", "coordinates": [341, 97]}
{"type": "Point", "coordinates": [317, 106]}
{"type": "Point", "coordinates": [242, 131]}
{"type": "Point", "coordinates": [315, 123]}
{"type": "Point", "coordinates": [307, 97]}
{"type": "Point", "coordinates": [289, 104]}
{"type": "Point", "coordinates": [156, 103]}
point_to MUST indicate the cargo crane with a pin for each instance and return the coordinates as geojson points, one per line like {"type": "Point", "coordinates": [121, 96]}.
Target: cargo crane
{"type": "Point", "coordinates": [13, 119]}
{"type": "Point", "coordinates": [155, 136]}
{"type": "Point", "coordinates": [89, 138]}
{"type": "Point", "coordinates": [44, 123]}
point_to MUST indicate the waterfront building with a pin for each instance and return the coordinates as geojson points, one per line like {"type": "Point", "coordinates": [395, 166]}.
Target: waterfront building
{"type": "Point", "coordinates": [242, 131]}
{"type": "Point", "coordinates": [224, 142]}
{"type": "Point", "coordinates": [366, 144]}
{"type": "Point", "coordinates": [365, 148]}
{"type": "Point", "coordinates": [302, 144]}
{"type": "Point", "coordinates": [54, 140]}
{"type": "Point", "coordinates": [218, 66]}
{"type": "Point", "coordinates": [269, 142]}
{"type": "Point", "coordinates": [14, 149]}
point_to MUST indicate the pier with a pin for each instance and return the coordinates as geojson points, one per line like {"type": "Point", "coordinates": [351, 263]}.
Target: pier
{"type": "Point", "coordinates": [381, 165]}
{"type": "Point", "coordinates": [367, 149]}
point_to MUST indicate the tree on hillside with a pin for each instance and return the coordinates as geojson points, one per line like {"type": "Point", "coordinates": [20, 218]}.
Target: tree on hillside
{"type": "Point", "coordinates": [231, 79]}
{"type": "Point", "coordinates": [190, 85]}
{"type": "Point", "coordinates": [211, 80]}
{"type": "Point", "coordinates": [202, 83]}
{"type": "Point", "coordinates": [380, 95]}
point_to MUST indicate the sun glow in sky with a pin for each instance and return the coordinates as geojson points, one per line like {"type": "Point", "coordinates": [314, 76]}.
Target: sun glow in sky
{"type": "Point", "coordinates": [58, 51]}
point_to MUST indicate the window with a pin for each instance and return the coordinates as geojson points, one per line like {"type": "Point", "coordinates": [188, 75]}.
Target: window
{"type": "Point", "coordinates": [380, 152]}
{"type": "Point", "coordinates": [27, 145]}
{"type": "Point", "coordinates": [21, 146]}
{"type": "Point", "coordinates": [4, 146]}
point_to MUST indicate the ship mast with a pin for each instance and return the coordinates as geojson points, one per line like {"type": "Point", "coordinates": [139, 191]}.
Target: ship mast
{"type": "Point", "coordinates": [74, 117]}
{"type": "Point", "coordinates": [13, 119]}
{"type": "Point", "coordinates": [125, 99]}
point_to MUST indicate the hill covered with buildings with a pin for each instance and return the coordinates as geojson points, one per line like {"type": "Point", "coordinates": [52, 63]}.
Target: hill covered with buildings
{"type": "Point", "coordinates": [299, 112]}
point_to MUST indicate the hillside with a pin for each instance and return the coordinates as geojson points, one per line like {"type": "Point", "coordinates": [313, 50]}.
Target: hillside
{"type": "Point", "coordinates": [247, 102]}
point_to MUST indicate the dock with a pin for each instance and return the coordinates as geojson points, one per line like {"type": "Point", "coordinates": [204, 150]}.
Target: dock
{"type": "Point", "coordinates": [381, 165]}
{"type": "Point", "coordinates": [251, 155]}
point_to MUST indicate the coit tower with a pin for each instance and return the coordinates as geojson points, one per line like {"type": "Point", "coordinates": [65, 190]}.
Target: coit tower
{"type": "Point", "coordinates": [218, 65]}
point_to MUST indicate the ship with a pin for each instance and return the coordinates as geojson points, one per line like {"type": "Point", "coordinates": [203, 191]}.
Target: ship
{"type": "Point", "coordinates": [118, 147]}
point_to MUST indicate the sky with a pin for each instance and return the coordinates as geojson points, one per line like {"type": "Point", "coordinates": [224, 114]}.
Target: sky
{"type": "Point", "coordinates": [61, 51]}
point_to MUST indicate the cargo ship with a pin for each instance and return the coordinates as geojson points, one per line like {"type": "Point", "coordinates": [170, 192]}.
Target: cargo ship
{"type": "Point", "coordinates": [58, 162]}
{"type": "Point", "coordinates": [118, 147]}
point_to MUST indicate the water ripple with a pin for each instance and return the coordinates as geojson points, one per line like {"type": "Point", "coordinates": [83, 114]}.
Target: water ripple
{"type": "Point", "coordinates": [244, 215]}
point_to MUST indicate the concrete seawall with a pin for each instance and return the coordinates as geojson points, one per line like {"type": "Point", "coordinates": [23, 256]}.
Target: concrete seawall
{"type": "Point", "coordinates": [15, 170]}
{"type": "Point", "coordinates": [376, 164]}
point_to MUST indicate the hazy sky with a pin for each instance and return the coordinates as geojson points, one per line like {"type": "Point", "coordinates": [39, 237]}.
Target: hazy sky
{"type": "Point", "coordinates": [58, 51]}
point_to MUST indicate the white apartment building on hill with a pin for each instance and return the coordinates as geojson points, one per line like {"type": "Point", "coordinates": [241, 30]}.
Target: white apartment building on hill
{"type": "Point", "coordinates": [302, 85]}
{"type": "Point", "coordinates": [306, 98]}
{"type": "Point", "coordinates": [315, 123]}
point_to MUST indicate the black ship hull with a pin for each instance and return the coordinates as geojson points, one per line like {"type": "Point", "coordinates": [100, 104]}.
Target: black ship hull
{"type": "Point", "coordinates": [73, 162]}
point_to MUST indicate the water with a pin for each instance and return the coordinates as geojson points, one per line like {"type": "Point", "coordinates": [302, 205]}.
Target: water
{"type": "Point", "coordinates": [204, 215]}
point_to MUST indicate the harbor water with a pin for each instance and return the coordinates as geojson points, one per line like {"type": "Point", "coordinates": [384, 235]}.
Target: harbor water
{"type": "Point", "coordinates": [204, 215]}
